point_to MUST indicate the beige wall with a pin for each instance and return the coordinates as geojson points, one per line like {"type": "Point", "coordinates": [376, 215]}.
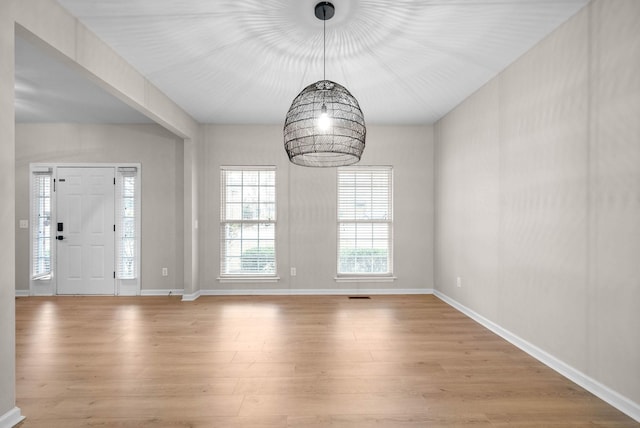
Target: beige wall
{"type": "Point", "coordinates": [160, 154]}
{"type": "Point", "coordinates": [538, 197]}
{"type": "Point", "coordinates": [7, 196]}
{"type": "Point", "coordinates": [306, 231]}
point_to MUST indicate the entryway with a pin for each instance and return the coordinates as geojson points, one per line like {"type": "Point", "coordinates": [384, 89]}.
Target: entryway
{"type": "Point", "coordinates": [85, 230]}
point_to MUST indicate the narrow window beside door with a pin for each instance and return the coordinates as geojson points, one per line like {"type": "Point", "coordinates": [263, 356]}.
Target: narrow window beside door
{"type": "Point", "coordinates": [127, 239]}
{"type": "Point", "coordinates": [41, 224]}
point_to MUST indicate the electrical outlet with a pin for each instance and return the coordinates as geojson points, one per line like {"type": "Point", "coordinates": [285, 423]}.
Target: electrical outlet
{"type": "Point", "coordinates": [165, 272]}
{"type": "Point", "coordinates": [459, 282]}
{"type": "Point", "coordinates": [293, 271]}
{"type": "Point", "coordinates": [24, 224]}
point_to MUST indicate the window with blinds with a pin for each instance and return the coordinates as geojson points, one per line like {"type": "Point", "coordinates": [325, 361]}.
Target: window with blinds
{"type": "Point", "coordinates": [365, 221]}
{"type": "Point", "coordinates": [127, 239]}
{"type": "Point", "coordinates": [248, 221]}
{"type": "Point", "coordinates": [41, 224]}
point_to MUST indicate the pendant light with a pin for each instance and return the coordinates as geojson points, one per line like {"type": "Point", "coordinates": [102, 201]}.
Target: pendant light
{"type": "Point", "coordinates": [324, 126]}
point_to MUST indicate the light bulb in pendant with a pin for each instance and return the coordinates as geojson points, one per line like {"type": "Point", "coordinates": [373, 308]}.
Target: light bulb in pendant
{"type": "Point", "coordinates": [324, 121]}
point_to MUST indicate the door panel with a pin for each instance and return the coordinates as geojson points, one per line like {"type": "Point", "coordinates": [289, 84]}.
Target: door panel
{"type": "Point", "coordinates": [85, 255]}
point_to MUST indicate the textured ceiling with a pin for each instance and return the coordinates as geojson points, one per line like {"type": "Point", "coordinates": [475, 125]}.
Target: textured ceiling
{"type": "Point", "coordinates": [243, 61]}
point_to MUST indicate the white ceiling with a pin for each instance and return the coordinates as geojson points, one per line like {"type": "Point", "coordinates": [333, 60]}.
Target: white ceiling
{"type": "Point", "coordinates": [243, 61]}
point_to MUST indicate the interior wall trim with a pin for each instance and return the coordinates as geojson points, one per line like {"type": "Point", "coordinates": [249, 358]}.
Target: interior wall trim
{"type": "Point", "coordinates": [163, 292]}
{"type": "Point", "coordinates": [603, 392]}
{"type": "Point", "coordinates": [190, 297]}
{"type": "Point", "coordinates": [270, 292]}
{"type": "Point", "coordinates": [316, 292]}
{"type": "Point", "coordinates": [12, 418]}
{"type": "Point", "coordinates": [158, 292]}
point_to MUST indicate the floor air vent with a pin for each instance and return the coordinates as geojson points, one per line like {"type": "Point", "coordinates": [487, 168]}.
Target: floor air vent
{"type": "Point", "coordinates": [359, 297]}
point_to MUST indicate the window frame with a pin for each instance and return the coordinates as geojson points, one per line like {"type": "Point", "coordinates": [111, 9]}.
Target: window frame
{"type": "Point", "coordinates": [246, 276]}
{"type": "Point", "coordinates": [369, 276]}
{"type": "Point", "coordinates": [122, 174]}
{"type": "Point", "coordinates": [35, 238]}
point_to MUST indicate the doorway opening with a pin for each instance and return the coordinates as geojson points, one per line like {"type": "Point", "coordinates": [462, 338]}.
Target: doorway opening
{"type": "Point", "coordinates": [85, 229]}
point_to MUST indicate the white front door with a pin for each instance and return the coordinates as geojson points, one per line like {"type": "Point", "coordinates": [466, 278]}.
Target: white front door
{"type": "Point", "coordinates": [85, 230]}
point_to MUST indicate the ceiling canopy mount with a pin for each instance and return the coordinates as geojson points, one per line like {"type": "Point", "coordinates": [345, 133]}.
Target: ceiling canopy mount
{"type": "Point", "coordinates": [325, 10]}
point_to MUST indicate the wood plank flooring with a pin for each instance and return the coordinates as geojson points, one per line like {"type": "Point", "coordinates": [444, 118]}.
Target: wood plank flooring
{"type": "Point", "coordinates": [276, 362]}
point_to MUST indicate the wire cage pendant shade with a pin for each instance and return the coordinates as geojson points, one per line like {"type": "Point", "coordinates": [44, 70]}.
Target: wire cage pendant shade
{"type": "Point", "coordinates": [324, 126]}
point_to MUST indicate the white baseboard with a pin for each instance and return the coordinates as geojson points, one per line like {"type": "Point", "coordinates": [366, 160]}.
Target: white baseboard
{"type": "Point", "coordinates": [271, 292]}
{"type": "Point", "coordinates": [605, 393]}
{"type": "Point", "coordinates": [162, 292]}
{"type": "Point", "coordinates": [191, 297]}
{"type": "Point", "coordinates": [126, 287]}
{"type": "Point", "coordinates": [11, 418]}
{"type": "Point", "coordinates": [313, 292]}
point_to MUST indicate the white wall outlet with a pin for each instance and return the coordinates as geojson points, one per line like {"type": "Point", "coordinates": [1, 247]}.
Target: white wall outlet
{"type": "Point", "coordinates": [459, 282]}
{"type": "Point", "coordinates": [165, 272]}
{"type": "Point", "coordinates": [293, 271]}
{"type": "Point", "coordinates": [24, 224]}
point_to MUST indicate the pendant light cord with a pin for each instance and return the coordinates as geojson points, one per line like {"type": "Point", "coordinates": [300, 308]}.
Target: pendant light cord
{"type": "Point", "coordinates": [324, 43]}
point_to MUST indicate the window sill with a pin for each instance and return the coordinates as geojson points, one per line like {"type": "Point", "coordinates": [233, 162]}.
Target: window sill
{"type": "Point", "coordinates": [245, 279]}
{"type": "Point", "coordinates": [357, 278]}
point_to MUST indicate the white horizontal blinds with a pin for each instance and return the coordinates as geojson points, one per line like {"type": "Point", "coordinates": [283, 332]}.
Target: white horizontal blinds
{"type": "Point", "coordinates": [127, 218]}
{"type": "Point", "coordinates": [248, 221]}
{"type": "Point", "coordinates": [364, 220]}
{"type": "Point", "coordinates": [41, 224]}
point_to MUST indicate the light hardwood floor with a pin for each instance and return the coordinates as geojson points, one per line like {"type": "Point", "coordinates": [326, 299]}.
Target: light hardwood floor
{"type": "Point", "coordinates": [275, 362]}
